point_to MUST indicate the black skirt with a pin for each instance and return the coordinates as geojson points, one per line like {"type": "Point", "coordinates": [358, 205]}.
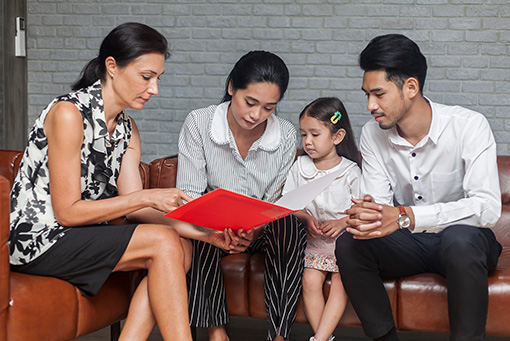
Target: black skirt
{"type": "Point", "coordinates": [85, 256]}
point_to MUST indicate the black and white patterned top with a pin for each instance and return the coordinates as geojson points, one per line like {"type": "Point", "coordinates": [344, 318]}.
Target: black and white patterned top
{"type": "Point", "coordinates": [34, 228]}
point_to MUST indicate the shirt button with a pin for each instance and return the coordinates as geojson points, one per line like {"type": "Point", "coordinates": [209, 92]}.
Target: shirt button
{"type": "Point", "coordinates": [420, 197]}
{"type": "Point", "coordinates": [416, 177]}
{"type": "Point", "coordinates": [413, 154]}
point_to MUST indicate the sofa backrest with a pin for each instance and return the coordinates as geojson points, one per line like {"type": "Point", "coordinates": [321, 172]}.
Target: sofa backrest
{"type": "Point", "coordinates": [502, 229]}
{"type": "Point", "coordinates": [9, 164]}
{"type": "Point", "coordinates": [162, 172]}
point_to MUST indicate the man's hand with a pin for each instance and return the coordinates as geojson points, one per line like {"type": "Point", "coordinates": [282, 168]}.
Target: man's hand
{"type": "Point", "coordinates": [368, 220]}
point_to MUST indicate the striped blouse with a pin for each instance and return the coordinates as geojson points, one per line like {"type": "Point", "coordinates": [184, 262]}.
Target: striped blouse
{"type": "Point", "coordinates": [209, 158]}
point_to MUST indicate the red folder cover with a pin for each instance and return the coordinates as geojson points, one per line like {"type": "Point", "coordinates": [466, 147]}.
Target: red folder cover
{"type": "Point", "coordinates": [222, 208]}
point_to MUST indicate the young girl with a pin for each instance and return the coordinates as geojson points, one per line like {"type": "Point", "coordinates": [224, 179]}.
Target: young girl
{"type": "Point", "coordinates": [328, 141]}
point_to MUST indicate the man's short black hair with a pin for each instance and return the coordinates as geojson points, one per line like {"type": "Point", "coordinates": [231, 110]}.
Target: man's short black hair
{"type": "Point", "coordinates": [398, 55]}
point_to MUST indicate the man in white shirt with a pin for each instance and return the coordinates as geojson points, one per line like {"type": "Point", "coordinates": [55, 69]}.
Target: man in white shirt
{"type": "Point", "coordinates": [431, 179]}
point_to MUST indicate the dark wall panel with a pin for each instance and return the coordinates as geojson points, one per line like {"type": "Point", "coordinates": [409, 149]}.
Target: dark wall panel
{"type": "Point", "coordinates": [13, 79]}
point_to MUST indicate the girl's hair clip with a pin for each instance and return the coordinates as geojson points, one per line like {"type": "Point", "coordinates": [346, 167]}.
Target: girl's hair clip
{"type": "Point", "coordinates": [336, 117]}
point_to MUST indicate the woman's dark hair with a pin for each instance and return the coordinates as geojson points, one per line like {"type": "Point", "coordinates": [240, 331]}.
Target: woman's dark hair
{"type": "Point", "coordinates": [323, 109]}
{"type": "Point", "coordinates": [124, 43]}
{"type": "Point", "coordinates": [257, 67]}
{"type": "Point", "coordinates": [398, 55]}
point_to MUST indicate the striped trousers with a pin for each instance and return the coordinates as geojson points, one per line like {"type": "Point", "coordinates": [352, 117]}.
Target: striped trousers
{"type": "Point", "coordinates": [284, 243]}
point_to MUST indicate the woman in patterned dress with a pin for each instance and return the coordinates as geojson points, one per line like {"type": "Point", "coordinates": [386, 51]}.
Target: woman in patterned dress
{"type": "Point", "coordinates": [80, 170]}
{"type": "Point", "coordinates": [328, 141]}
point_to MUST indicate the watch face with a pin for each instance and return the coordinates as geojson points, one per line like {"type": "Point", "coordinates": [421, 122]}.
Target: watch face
{"type": "Point", "coordinates": [404, 221]}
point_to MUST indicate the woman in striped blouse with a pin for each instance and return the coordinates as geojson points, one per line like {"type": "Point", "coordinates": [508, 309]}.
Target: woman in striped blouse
{"type": "Point", "coordinates": [240, 145]}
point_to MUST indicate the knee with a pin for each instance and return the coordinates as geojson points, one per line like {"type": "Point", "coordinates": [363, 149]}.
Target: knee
{"type": "Point", "coordinates": [167, 243]}
{"type": "Point", "coordinates": [458, 239]}
{"type": "Point", "coordinates": [312, 283]}
{"type": "Point", "coordinates": [462, 245]}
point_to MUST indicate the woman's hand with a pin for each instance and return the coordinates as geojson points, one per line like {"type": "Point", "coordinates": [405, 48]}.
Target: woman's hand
{"type": "Point", "coordinates": [230, 241]}
{"type": "Point", "coordinates": [219, 239]}
{"type": "Point", "coordinates": [239, 241]}
{"type": "Point", "coordinates": [165, 199]}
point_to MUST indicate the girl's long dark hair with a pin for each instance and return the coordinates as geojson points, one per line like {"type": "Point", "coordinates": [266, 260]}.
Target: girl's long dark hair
{"type": "Point", "coordinates": [323, 109]}
{"type": "Point", "coordinates": [257, 67]}
{"type": "Point", "coordinates": [124, 43]}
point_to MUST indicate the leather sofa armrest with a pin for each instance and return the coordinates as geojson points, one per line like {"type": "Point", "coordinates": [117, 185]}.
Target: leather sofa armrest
{"type": "Point", "coordinates": [4, 255]}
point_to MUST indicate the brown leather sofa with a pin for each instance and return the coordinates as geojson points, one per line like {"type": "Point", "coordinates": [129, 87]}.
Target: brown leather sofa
{"type": "Point", "coordinates": [419, 302]}
{"type": "Point", "coordinates": [42, 308]}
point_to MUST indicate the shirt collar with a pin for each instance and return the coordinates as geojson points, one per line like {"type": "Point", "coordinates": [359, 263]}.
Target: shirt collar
{"type": "Point", "coordinates": [221, 134]}
{"type": "Point", "coordinates": [96, 104]}
{"type": "Point", "coordinates": [438, 124]}
{"type": "Point", "coordinates": [309, 171]}
{"type": "Point", "coordinates": [432, 135]}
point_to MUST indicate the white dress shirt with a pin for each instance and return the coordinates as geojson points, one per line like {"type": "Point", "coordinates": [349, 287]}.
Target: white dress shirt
{"type": "Point", "coordinates": [449, 177]}
{"type": "Point", "coordinates": [209, 158]}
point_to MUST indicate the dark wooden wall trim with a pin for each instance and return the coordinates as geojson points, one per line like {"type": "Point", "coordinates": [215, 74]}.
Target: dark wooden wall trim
{"type": "Point", "coordinates": [13, 79]}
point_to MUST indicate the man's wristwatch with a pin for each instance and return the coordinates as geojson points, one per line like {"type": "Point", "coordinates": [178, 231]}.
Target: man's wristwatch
{"type": "Point", "coordinates": [403, 221]}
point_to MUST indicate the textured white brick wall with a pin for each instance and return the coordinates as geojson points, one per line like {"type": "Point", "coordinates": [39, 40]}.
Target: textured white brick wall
{"type": "Point", "coordinates": [466, 43]}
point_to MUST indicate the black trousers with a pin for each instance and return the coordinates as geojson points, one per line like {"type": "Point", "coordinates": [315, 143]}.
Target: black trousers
{"type": "Point", "coordinates": [462, 254]}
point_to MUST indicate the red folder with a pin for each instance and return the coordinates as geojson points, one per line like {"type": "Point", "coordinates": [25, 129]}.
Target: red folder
{"type": "Point", "coordinates": [222, 208]}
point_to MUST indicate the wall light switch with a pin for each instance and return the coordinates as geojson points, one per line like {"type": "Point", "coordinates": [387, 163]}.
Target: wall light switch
{"type": "Point", "coordinates": [19, 39]}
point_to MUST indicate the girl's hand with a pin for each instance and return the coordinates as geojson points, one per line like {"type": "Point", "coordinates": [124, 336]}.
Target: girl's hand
{"type": "Point", "coordinates": [312, 227]}
{"type": "Point", "coordinates": [333, 228]}
{"type": "Point", "coordinates": [165, 199]}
